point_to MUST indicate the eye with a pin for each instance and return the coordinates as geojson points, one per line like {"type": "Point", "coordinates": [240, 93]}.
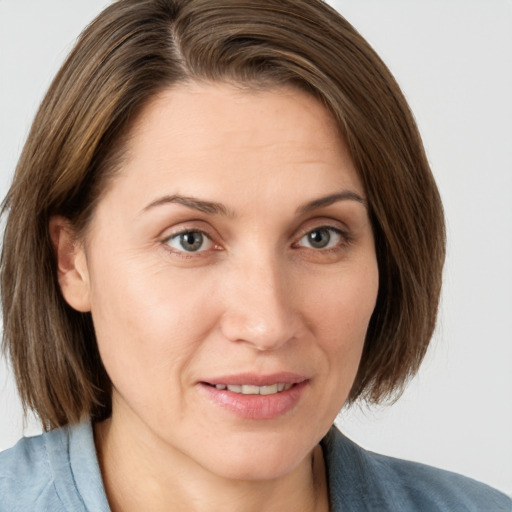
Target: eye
{"type": "Point", "coordinates": [322, 238]}
{"type": "Point", "coordinates": [190, 241]}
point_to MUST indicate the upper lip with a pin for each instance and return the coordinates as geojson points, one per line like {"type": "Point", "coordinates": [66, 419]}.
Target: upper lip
{"type": "Point", "coordinates": [254, 379]}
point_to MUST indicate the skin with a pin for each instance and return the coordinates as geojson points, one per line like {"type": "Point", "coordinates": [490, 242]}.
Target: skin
{"type": "Point", "coordinates": [256, 297]}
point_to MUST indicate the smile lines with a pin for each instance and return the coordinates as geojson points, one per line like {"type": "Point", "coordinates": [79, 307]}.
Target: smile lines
{"type": "Point", "coordinates": [248, 389]}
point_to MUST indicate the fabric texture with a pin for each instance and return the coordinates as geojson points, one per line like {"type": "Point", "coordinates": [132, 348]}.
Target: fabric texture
{"type": "Point", "coordinates": [58, 472]}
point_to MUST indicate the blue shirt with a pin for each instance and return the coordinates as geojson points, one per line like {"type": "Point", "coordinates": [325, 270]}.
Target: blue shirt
{"type": "Point", "coordinates": [58, 472]}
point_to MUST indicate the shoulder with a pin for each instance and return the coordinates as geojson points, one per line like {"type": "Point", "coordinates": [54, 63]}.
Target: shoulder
{"type": "Point", "coordinates": [51, 472]}
{"type": "Point", "coordinates": [362, 480]}
{"type": "Point", "coordinates": [438, 489]}
{"type": "Point", "coordinates": [26, 479]}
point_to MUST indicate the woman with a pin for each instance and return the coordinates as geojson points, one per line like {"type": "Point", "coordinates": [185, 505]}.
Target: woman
{"type": "Point", "coordinates": [239, 233]}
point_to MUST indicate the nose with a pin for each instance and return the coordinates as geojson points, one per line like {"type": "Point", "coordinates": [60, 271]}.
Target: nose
{"type": "Point", "coordinates": [259, 305]}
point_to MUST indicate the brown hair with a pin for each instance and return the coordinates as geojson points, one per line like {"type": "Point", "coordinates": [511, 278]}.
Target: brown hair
{"type": "Point", "coordinates": [133, 50]}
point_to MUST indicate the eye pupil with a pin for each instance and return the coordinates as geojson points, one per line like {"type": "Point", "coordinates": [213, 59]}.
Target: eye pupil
{"type": "Point", "coordinates": [319, 238]}
{"type": "Point", "coordinates": [191, 241]}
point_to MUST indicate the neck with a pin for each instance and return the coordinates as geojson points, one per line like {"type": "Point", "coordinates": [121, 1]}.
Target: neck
{"type": "Point", "coordinates": [140, 475]}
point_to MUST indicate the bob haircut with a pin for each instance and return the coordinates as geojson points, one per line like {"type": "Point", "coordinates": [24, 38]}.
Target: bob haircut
{"type": "Point", "coordinates": [133, 50]}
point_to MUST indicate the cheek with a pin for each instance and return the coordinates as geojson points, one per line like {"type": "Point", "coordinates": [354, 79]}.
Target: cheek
{"type": "Point", "coordinates": [340, 312]}
{"type": "Point", "coordinates": [147, 325]}
{"type": "Point", "coordinates": [341, 305]}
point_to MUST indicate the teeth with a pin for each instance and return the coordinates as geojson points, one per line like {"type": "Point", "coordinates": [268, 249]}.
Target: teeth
{"type": "Point", "coordinates": [249, 389]}
{"type": "Point", "coordinates": [268, 390]}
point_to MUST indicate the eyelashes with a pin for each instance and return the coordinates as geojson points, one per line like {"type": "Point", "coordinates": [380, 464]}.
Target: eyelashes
{"type": "Point", "coordinates": [192, 242]}
{"type": "Point", "coordinates": [323, 238]}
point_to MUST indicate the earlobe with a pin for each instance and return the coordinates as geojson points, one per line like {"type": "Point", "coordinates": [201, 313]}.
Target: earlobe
{"type": "Point", "coordinates": [72, 271]}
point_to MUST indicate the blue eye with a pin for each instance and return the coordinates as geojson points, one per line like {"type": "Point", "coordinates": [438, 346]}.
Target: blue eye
{"type": "Point", "coordinates": [322, 238]}
{"type": "Point", "coordinates": [190, 241]}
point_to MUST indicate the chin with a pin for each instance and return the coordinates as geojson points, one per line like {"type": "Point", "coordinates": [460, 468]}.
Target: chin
{"type": "Point", "coordinates": [258, 457]}
{"type": "Point", "coordinates": [263, 468]}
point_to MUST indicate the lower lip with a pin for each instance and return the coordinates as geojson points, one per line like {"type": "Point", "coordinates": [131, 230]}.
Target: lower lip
{"type": "Point", "coordinates": [256, 407]}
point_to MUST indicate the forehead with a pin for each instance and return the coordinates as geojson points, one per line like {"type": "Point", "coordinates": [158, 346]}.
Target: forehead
{"type": "Point", "coordinates": [213, 137]}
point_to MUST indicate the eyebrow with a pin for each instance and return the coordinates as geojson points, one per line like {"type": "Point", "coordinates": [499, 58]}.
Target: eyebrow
{"type": "Point", "coordinates": [214, 208]}
{"type": "Point", "coordinates": [323, 202]}
{"type": "Point", "coordinates": [194, 203]}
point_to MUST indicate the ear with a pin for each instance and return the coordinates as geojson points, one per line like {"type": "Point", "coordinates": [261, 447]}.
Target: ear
{"type": "Point", "coordinates": [72, 271]}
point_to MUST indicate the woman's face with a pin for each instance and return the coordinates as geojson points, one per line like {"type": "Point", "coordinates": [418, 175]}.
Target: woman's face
{"type": "Point", "coordinates": [232, 255]}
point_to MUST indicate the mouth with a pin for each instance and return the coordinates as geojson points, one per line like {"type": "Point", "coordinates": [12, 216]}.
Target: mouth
{"type": "Point", "coordinates": [250, 389]}
{"type": "Point", "coordinates": [256, 397]}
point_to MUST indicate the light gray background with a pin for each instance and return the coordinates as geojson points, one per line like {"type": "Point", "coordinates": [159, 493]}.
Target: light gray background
{"type": "Point", "coordinates": [453, 59]}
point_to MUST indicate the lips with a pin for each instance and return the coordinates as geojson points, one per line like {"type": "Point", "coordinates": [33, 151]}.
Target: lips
{"type": "Point", "coordinates": [256, 397]}
{"type": "Point", "coordinates": [249, 389]}
{"type": "Point", "coordinates": [255, 379]}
